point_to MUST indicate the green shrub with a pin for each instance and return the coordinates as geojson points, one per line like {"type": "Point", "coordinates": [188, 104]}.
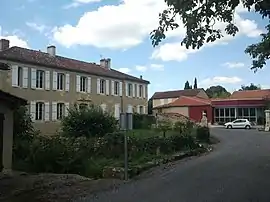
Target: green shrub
{"type": "Point", "coordinates": [164, 126]}
{"type": "Point", "coordinates": [143, 121]}
{"type": "Point", "coordinates": [88, 122]}
{"type": "Point", "coordinates": [203, 134]}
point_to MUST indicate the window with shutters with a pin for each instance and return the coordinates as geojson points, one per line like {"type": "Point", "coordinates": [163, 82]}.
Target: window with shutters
{"type": "Point", "coordinates": [60, 81]}
{"type": "Point", "coordinates": [60, 111]}
{"type": "Point", "coordinates": [140, 90]}
{"type": "Point", "coordinates": [40, 79]}
{"type": "Point", "coordinates": [83, 84]}
{"type": "Point", "coordinates": [116, 88]}
{"type": "Point", "coordinates": [40, 107]}
{"type": "Point", "coordinates": [102, 86]}
{"type": "Point", "coordinates": [141, 110]}
{"type": "Point", "coordinates": [129, 89]}
{"type": "Point", "coordinates": [20, 76]}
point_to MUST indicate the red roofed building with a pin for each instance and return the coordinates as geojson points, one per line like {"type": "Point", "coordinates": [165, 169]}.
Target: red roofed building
{"type": "Point", "coordinates": [241, 104]}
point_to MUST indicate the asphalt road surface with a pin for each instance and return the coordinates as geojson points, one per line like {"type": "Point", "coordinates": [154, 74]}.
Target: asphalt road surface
{"type": "Point", "coordinates": [238, 170]}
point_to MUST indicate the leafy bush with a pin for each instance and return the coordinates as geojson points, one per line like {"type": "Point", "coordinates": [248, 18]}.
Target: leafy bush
{"type": "Point", "coordinates": [203, 134]}
{"type": "Point", "coordinates": [143, 121]}
{"type": "Point", "coordinates": [88, 122]}
{"type": "Point", "coordinates": [164, 126]}
{"type": "Point", "coordinates": [183, 127]}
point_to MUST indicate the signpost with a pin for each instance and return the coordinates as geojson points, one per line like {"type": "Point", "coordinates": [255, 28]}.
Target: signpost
{"type": "Point", "coordinates": [126, 124]}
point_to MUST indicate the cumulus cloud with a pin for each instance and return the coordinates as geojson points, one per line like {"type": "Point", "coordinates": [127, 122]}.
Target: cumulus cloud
{"type": "Point", "coordinates": [220, 80]}
{"type": "Point", "coordinates": [113, 26]}
{"type": "Point", "coordinates": [14, 40]}
{"type": "Point", "coordinates": [233, 65]}
{"type": "Point", "coordinates": [141, 68]}
{"type": "Point", "coordinates": [37, 27]}
{"type": "Point", "coordinates": [124, 70]}
{"type": "Point", "coordinates": [154, 67]}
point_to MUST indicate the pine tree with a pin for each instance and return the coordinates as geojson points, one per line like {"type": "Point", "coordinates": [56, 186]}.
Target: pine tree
{"type": "Point", "coordinates": [187, 86]}
{"type": "Point", "coordinates": [195, 84]}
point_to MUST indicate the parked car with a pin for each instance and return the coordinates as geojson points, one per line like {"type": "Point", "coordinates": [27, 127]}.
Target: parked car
{"type": "Point", "coordinates": [238, 123]}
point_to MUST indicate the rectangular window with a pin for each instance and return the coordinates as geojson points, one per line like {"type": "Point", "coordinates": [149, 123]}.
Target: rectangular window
{"type": "Point", "coordinates": [116, 88]}
{"type": "Point", "coordinates": [102, 86]}
{"type": "Point", "coordinates": [20, 76]}
{"type": "Point", "coordinates": [60, 81]}
{"type": "Point", "coordinates": [141, 110]}
{"type": "Point", "coordinates": [246, 111]}
{"type": "Point", "coordinates": [140, 90]}
{"type": "Point", "coordinates": [232, 112]}
{"type": "Point", "coordinates": [60, 110]}
{"type": "Point", "coordinates": [240, 112]}
{"type": "Point", "coordinates": [221, 111]}
{"type": "Point", "coordinates": [129, 89]}
{"type": "Point", "coordinates": [227, 112]}
{"type": "Point", "coordinates": [39, 111]}
{"type": "Point", "coordinates": [40, 79]}
{"type": "Point", "coordinates": [252, 111]}
{"type": "Point", "coordinates": [83, 84]}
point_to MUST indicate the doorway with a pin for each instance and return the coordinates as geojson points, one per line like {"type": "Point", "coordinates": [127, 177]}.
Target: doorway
{"type": "Point", "coordinates": [2, 118]}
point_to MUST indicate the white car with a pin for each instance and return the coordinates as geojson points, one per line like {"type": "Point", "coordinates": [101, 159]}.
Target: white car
{"type": "Point", "coordinates": [238, 123]}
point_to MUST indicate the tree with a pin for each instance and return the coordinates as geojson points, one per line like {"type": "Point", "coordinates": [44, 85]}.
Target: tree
{"type": "Point", "coordinates": [195, 84]}
{"type": "Point", "coordinates": [252, 86]}
{"type": "Point", "coordinates": [217, 92]}
{"type": "Point", "coordinates": [187, 86]}
{"type": "Point", "coordinates": [150, 106]}
{"type": "Point", "coordinates": [199, 18]}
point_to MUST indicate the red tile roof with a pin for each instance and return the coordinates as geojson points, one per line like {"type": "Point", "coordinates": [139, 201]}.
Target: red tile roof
{"type": "Point", "coordinates": [177, 93]}
{"type": "Point", "coordinates": [250, 94]}
{"type": "Point", "coordinates": [185, 101]}
{"type": "Point", "coordinates": [18, 54]}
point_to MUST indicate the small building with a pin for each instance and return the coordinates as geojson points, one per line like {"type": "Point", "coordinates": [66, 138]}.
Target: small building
{"type": "Point", "coordinates": [8, 103]}
{"type": "Point", "coordinates": [242, 104]}
{"type": "Point", "coordinates": [192, 103]}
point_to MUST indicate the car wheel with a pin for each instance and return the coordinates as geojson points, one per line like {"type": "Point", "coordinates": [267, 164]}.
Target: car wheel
{"type": "Point", "coordinates": [247, 127]}
{"type": "Point", "coordinates": [229, 127]}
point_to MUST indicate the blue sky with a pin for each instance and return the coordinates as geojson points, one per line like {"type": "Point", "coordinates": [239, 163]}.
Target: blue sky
{"type": "Point", "coordinates": [89, 29]}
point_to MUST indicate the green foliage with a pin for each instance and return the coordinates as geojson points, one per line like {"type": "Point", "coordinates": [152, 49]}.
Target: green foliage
{"type": "Point", "coordinates": [195, 84]}
{"type": "Point", "coordinates": [217, 92]}
{"type": "Point", "coordinates": [252, 86]}
{"type": "Point", "coordinates": [199, 18]}
{"type": "Point", "coordinates": [187, 86]}
{"type": "Point", "coordinates": [88, 122]}
{"type": "Point", "coordinates": [143, 121]}
{"type": "Point", "coordinates": [164, 126]}
{"type": "Point", "coordinates": [203, 134]}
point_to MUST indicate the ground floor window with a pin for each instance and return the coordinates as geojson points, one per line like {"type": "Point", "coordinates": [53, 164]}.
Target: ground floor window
{"type": "Point", "coordinates": [39, 111]}
{"type": "Point", "coordinates": [223, 115]}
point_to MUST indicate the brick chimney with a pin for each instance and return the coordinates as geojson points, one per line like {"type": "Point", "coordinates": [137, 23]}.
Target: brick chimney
{"type": "Point", "coordinates": [4, 44]}
{"type": "Point", "coordinates": [105, 63]}
{"type": "Point", "coordinates": [51, 50]}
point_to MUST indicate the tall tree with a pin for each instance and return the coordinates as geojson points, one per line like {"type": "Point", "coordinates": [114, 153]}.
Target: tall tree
{"type": "Point", "coordinates": [195, 83]}
{"type": "Point", "coordinates": [199, 18]}
{"type": "Point", "coordinates": [187, 86]}
{"type": "Point", "coordinates": [150, 106]}
{"type": "Point", "coordinates": [217, 92]}
{"type": "Point", "coordinates": [252, 86]}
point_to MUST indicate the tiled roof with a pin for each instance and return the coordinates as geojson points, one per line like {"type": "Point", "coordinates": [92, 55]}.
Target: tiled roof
{"type": "Point", "coordinates": [250, 94]}
{"type": "Point", "coordinates": [23, 55]}
{"type": "Point", "coordinates": [176, 93]}
{"type": "Point", "coordinates": [12, 99]}
{"type": "Point", "coordinates": [185, 101]}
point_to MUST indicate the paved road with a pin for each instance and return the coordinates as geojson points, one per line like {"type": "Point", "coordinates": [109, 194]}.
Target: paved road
{"type": "Point", "coordinates": [238, 170]}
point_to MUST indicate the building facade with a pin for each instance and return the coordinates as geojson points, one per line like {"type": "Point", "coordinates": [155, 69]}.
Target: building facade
{"type": "Point", "coordinates": [52, 84]}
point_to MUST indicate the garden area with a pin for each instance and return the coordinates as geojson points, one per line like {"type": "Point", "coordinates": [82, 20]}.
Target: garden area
{"type": "Point", "coordinates": [90, 144]}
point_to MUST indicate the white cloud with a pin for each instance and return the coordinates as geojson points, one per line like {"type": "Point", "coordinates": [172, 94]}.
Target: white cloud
{"type": "Point", "coordinates": [265, 86]}
{"type": "Point", "coordinates": [220, 80]}
{"type": "Point", "coordinates": [141, 68]}
{"type": "Point", "coordinates": [124, 70]}
{"type": "Point", "coordinates": [233, 65]}
{"type": "Point", "coordinates": [113, 26]}
{"type": "Point", "coordinates": [37, 27]}
{"type": "Point", "coordinates": [14, 40]}
{"type": "Point", "coordinates": [175, 52]}
{"type": "Point", "coordinates": [77, 3]}
{"type": "Point", "coordinates": [157, 67]}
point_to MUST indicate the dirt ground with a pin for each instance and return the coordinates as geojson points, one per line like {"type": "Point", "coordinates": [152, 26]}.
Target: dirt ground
{"type": "Point", "coordinates": [20, 187]}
